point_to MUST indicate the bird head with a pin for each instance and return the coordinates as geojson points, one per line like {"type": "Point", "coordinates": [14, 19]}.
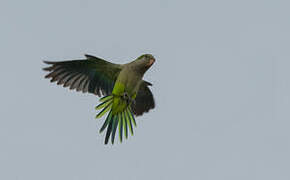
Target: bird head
{"type": "Point", "coordinates": [145, 61]}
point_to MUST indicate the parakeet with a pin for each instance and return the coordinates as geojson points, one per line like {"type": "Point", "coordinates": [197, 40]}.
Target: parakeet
{"type": "Point", "coordinates": [126, 94]}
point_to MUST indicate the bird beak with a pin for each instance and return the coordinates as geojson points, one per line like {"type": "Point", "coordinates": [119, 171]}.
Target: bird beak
{"type": "Point", "coordinates": [151, 61]}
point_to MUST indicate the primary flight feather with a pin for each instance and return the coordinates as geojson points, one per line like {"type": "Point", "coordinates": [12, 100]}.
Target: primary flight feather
{"type": "Point", "coordinates": [126, 94]}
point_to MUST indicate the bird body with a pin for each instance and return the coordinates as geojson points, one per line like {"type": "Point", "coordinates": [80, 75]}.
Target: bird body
{"type": "Point", "coordinates": [125, 92]}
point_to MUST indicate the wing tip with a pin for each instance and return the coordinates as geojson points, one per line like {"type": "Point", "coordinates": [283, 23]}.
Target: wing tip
{"type": "Point", "coordinates": [46, 69]}
{"type": "Point", "coordinates": [88, 56]}
{"type": "Point", "coordinates": [48, 62]}
{"type": "Point", "coordinates": [50, 68]}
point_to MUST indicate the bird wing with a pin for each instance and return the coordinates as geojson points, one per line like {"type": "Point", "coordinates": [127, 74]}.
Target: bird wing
{"type": "Point", "coordinates": [93, 74]}
{"type": "Point", "coordinates": [144, 100]}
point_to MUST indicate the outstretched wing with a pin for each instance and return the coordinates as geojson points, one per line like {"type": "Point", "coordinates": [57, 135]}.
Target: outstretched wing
{"type": "Point", "coordinates": [93, 75]}
{"type": "Point", "coordinates": [144, 100]}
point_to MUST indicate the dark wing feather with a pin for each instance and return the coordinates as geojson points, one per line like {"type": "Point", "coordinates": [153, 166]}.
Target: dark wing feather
{"type": "Point", "coordinates": [144, 100]}
{"type": "Point", "coordinates": [93, 75]}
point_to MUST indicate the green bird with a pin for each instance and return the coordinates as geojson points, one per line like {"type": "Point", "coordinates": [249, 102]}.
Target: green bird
{"type": "Point", "coordinates": [126, 94]}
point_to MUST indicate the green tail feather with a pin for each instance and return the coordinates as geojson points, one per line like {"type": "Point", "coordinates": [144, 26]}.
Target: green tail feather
{"type": "Point", "coordinates": [125, 126]}
{"type": "Point", "coordinates": [115, 124]}
{"type": "Point", "coordinates": [120, 127]}
{"type": "Point", "coordinates": [132, 116]}
{"type": "Point", "coordinates": [119, 121]}
{"type": "Point", "coordinates": [108, 133]}
{"type": "Point", "coordinates": [108, 119]}
{"type": "Point", "coordinates": [106, 98]}
{"type": "Point", "coordinates": [128, 119]}
{"type": "Point", "coordinates": [104, 111]}
{"type": "Point", "coordinates": [103, 104]}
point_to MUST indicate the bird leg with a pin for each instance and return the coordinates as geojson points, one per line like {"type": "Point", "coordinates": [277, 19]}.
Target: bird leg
{"type": "Point", "coordinates": [127, 98]}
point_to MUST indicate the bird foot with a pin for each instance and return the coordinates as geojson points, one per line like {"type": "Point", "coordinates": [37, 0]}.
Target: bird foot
{"type": "Point", "coordinates": [127, 98]}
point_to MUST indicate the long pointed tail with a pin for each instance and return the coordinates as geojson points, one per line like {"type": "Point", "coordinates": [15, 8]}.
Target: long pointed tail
{"type": "Point", "coordinates": [122, 120]}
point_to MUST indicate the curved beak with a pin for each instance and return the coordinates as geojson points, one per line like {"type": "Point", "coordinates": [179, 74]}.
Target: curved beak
{"type": "Point", "coordinates": [151, 61]}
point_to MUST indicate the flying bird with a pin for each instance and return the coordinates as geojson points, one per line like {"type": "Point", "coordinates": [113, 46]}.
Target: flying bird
{"type": "Point", "coordinates": [125, 93]}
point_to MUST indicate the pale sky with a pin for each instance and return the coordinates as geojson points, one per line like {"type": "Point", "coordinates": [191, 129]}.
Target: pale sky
{"type": "Point", "coordinates": [220, 82]}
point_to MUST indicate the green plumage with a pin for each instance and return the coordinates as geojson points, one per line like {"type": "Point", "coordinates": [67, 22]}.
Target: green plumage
{"type": "Point", "coordinates": [125, 93]}
{"type": "Point", "coordinates": [120, 119]}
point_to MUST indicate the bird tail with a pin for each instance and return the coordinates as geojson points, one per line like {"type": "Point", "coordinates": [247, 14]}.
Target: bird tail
{"type": "Point", "coordinates": [123, 119]}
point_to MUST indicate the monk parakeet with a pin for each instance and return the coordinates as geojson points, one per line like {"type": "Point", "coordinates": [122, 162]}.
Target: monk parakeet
{"type": "Point", "coordinates": [125, 93]}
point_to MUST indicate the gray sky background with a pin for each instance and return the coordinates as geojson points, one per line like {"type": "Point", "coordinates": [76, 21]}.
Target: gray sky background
{"type": "Point", "coordinates": [221, 84]}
